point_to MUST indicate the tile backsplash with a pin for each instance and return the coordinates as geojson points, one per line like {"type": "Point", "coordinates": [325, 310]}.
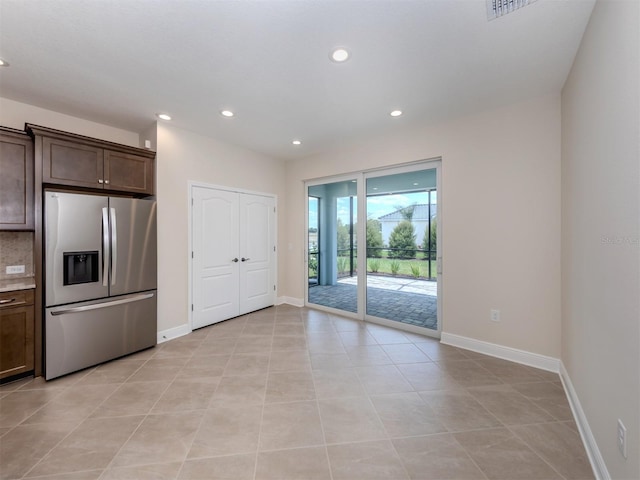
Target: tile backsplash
{"type": "Point", "coordinates": [16, 248]}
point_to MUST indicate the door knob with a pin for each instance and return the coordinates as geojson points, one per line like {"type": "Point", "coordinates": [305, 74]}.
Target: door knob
{"type": "Point", "coordinates": [245, 259]}
{"type": "Point", "coordinates": [235, 260]}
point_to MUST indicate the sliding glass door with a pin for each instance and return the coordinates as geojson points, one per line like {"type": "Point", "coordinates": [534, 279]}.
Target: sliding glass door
{"type": "Point", "coordinates": [401, 273]}
{"type": "Point", "coordinates": [393, 278]}
{"type": "Point", "coordinates": [332, 245]}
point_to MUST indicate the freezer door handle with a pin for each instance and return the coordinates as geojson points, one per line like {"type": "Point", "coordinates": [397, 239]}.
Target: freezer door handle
{"type": "Point", "coordinates": [95, 306]}
{"type": "Point", "coordinates": [114, 246]}
{"type": "Point", "coordinates": [105, 247]}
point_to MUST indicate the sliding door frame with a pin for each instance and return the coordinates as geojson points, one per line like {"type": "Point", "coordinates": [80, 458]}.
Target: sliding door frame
{"type": "Point", "coordinates": [322, 181]}
{"type": "Point", "coordinates": [362, 213]}
{"type": "Point", "coordinates": [361, 179]}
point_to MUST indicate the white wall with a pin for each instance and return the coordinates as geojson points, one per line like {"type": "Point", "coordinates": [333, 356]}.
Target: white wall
{"type": "Point", "coordinates": [182, 157]}
{"type": "Point", "coordinates": [15, 115]}
{"type": "Point", "coordinates": [501, 218]}
{"type": "Point", "coordinates": [601, 232]}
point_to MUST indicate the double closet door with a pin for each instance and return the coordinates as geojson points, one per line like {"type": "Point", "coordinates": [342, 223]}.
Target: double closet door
{"type": "Point", "coordinates": [233, 254]}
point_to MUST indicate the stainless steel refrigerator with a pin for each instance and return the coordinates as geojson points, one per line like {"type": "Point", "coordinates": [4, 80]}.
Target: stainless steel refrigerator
{"type": "Point", "coordinates": [101, 278]}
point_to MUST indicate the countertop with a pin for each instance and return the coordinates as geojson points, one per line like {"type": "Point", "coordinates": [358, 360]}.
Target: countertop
{"type": "Point", "coordinates": [11, 284]}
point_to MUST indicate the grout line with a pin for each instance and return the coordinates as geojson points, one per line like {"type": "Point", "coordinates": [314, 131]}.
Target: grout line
{"type": "Point", "coordinates": [307, 335]}
{"type": "Point", "coordinates": [534, 450]}
{"type": "Point", "coordinates": [62, 390]}
{"type": "Point", "coordinates": [324, 436]}
{"type": "Point", "coordinates": [264, 401]}
{"type": "Point", "coordinates": [466, 452]}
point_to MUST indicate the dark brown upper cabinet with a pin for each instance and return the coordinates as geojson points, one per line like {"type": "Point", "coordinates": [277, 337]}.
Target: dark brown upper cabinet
{"type": "Point", "coordinates": [16, 180]}
{"type": "Point", "coordinates": [128, 172]}
{"type": "Point", "coordinates": [78, 161]}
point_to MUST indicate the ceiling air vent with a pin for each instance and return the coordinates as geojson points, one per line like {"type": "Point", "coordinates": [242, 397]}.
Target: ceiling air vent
{"type": "Point", "coordinates": [498, 8]}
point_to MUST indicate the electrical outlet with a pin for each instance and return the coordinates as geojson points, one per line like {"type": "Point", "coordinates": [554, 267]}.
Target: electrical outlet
{"type": "Point", "coordinates": [622, 438]}
{"type": "Point", "coordinates": [495, 315]}
{"type": "Point", "coordinates": [15, 269]}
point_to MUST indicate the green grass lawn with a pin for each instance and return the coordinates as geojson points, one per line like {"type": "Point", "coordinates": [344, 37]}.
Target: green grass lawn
{"type": "Point", "coordinates": [406, 267]}
{"type": "Point", "coordinates": [417, 267]}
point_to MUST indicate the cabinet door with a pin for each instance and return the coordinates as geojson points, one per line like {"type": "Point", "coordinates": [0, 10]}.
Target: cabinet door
{"type": "Point", "coordinates": [16, 340]}
{"type": "Point", "coordinates": [128, 173]}
{"type": "Point", "coordinates": [69, 163]}
{"type": "Point", "coordinates": [16, 182]}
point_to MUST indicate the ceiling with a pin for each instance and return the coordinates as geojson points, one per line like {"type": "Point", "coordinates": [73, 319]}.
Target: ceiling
{"type": "Point", "coordinates": [119, 62]}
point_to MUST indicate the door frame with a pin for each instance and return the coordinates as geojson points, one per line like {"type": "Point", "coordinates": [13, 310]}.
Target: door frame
{"type": "Point", "coordinates": [310, 183]}
{"type": "Point", "coordinates": [195, 184]}
{"type": "Point", "coordinates": [361, 177]}
{"type": "Point", "coordinates": [381, 172]}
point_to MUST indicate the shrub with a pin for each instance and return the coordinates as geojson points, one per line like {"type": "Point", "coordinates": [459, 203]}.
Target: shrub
{"type": "Point", "coordinates": [395, 267]}
{"type": "Point", "coordinates": [402, 241]}
{"type": "Point", "coordinates": [374, 265]}
{"type": "Point", "coordinates": [343, 264]}
{"type": "Point", "coordinates": [415, 269]}
{"type": "Point", "coordinates": [342, 233]}
{"type": "Point", "coordinates": [434, 238]}
{"type": "Point", "coordinates": [313, 266]}
{"type": "Point", "coordinates": [374, 238]}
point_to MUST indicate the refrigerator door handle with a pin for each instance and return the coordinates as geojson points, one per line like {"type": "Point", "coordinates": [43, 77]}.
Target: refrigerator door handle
{"type": "Point", "coordinates": [106, 253]}
{"type": "Point", "coordinates": [95, 306]}
{"type": "Point", "coordinates": [114, 246]}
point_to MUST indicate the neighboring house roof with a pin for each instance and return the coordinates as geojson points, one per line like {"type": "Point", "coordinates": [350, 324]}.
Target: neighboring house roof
{"type": "Point", "coordinates": [420, 212]}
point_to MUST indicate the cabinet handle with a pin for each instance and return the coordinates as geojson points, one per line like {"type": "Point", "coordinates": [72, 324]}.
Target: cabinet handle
{"type": "Point", "coordinates": [245, 259]}
{"type": "Point", "coordinates": [100, 180]}
{"type": "Point", "coordinates": [235, 260]}
{"type": "Point", "coordinates": [9, 300]}
{"type": "Point", "coordinates": [107, 182]}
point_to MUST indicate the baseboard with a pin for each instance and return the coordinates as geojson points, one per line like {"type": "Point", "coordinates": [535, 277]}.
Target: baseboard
{"type": "Point", "coordinates": [500, 351]}
{"type": "Point", "coordinates": [545, 363]}
{"type": "Point", "coordinates": [593, 452]}
{"type": "Point", "coordinates": [296, 302]}
{"type": "Point", "coordinates": [174, 332]}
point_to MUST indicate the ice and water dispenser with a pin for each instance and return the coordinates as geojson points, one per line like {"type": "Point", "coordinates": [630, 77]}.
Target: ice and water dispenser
{"type": "Point", "coordinates": [80, 267]}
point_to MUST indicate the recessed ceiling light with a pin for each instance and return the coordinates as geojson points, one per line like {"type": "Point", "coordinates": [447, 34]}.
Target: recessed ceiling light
{"type": "Point", "coordinates": [3, 63]}
{"type": "Point", "coordinates": [339, 55]}
{"type": "Point", "coordinates": [396, 113]}
{"type": "Point", "coordinates": [297, 142]}
{"type": "Point", "coordinates": [226, 113]}
{"type": "Point", "coordinates": [163, 116]}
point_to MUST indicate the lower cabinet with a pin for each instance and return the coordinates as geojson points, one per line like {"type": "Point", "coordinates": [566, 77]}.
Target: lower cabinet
{"type": "Point", "coordinates": [16, 333]}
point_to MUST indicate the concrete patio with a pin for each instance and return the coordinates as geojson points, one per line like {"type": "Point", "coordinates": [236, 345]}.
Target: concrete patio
{"type": "Point", "coordinates": [405, 300]}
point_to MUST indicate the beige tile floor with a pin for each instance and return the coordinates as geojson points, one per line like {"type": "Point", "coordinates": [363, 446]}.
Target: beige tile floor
{"type": "Point", "coordinates": [289, 393]}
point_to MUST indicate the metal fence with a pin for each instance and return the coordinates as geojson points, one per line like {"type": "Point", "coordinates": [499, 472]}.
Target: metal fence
{"type": "Point", "coordinates": [347, 259]}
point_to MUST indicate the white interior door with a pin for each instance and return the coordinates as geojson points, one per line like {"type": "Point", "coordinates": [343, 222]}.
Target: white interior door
{"type": "Point", "coordinates": [216, 265]}
{"type": "Point", "coordinates": [257, 252]}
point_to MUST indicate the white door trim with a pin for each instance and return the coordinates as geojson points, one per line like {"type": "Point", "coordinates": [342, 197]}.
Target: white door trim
{"type": "Point", "coordinates": [215, 260]}
{"type": "Point", "coordinates": [191, 184]}
{"type": "Point", "coordinates": [257, 251]}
